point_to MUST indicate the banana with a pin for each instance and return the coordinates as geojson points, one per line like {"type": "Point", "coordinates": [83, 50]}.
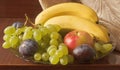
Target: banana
{"type": "Point", "coordinates": [69, 22]}
{"type": "Point", "coordinates": [104, 29]}
{"type": "Point", "coordinates": [70, 8]}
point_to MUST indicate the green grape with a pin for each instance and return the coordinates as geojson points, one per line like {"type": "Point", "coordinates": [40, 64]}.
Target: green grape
{"type": "Point", "coordinates": [51, 47]}
{"type": "Point", "coordinates": [63, 48]}
{"type": "Point", "coordinates": [61, 45]}
{"type": "Point", "coordinates": [20, 37]}
{"type": "Point", "coordinates": [6, 45]}
{"type": "Point", "coordinates": [43, 45]}
{"type": "Point", "coordinates": [6, 37]}
{"type": "Point", "coordinates": [37, 56]}
{"type": "Point", "coordinates": [23, 28]}
{"type": "Point", "coordinates": [51, 28]}
{"type": "Point", "coordinates": [97, 46]}
{"type": "Point", "coordinates": [46, 38]}
{"type": "Point", "coordinates": [37, 35]}
{"type": "Point", "coordinates": [18, 31]}
{"type": "Point", "coordinates": [34, 29]}
{"type": "Point", "coordinates": [70, 58]}
{"type": "Point", "coordinates": [14, 41]}
{"type": "Point", "coordinates": [44, 31]}
{"type": "Point", "coordinates": [59, 53]}
{"type": "Point", "coordinates": [45, 56]}
{"type": "Point", "coordinates": [54, 60]}
{"type": "Point", "coordinates": [64, 51]}
{"type": "Point", "coordinates": [52, 51]}
{"type": "Point", "coordinates": [60, 40]}
{"type": "Point", "coordinates": [27, 35]}
{"type": "Point", "coordinates": [50, 58]}
{"type": "Point", "coordinates": [106, 48]}
{"type": "Point", "coordinates": [27, 29]}
{"type": "Point", "coordinates": [58, 28]}
{"type": "Point", "coordinates": [39, 26]}
{"type": "Point", "coordinates": [54, 42]}
{"type": "Point", "coordinates": [54, 35]}
{"type": "Point", "coordinates": [41, 50]}
{"type": "Point", "coordinates": [39, 43]}
{"type": "Point", "coordinates": [64, 60]}
{"type": "Point", "coordinates": [9, 30]}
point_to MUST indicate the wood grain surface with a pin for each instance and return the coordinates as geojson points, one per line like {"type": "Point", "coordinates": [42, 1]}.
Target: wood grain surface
{"type": "Point", "coordinates": [15, 8]}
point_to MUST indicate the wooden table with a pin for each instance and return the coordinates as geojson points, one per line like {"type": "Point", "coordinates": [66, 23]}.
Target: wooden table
{"type": "Point", "coordinates": [8, 61]}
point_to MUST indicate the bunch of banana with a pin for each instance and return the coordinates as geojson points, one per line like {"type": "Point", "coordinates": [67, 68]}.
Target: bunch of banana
{"type": "Point", "coordinates": [77, 23]}
{"type": "Point", "coordinates": [76, 9]}
{"type": "Point", "coordinates": [73, 16]}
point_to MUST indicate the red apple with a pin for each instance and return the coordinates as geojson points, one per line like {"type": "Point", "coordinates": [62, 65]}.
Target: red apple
{"type": "Point", "coordinates": [76, 38]}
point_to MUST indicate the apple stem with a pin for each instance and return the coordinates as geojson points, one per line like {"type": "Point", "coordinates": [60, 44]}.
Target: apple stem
{"type": "Point", "coordinates": [78, 34]}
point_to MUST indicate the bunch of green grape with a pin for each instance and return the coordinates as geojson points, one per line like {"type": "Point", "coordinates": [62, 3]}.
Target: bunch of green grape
{"type": "Point", "coordinates": [51, 47]}
{"type": "Point", "coordinates": [12, 35]}
{"type": "Point", "coordinates": [102, 49]}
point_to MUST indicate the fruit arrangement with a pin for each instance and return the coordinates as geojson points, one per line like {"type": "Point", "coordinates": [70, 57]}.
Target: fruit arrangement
{"type": "Point", "coordinates": [62, 34]}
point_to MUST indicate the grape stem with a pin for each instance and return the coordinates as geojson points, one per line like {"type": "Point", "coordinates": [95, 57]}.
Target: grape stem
{"type": "Point", "coordinates": [28, 20]}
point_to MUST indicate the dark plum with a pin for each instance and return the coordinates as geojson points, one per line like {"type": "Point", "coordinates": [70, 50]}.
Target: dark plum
{"type": "Point", "coordinates": [17, 24]}
{"type": "Point", "coordinates": [28, 48]}
{"type": "Point", "coordinates": [84, 53]}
